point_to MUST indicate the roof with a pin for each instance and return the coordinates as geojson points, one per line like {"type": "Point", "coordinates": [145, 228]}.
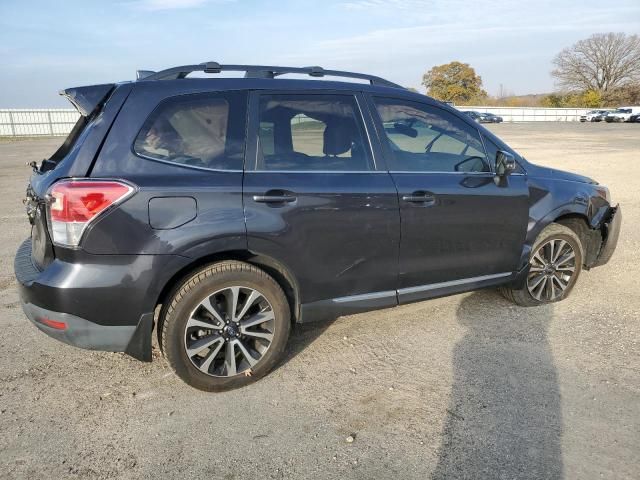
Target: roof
{"type": "Point", "coordinates": [256, 71]}
{"type": "Point", "coordinates": [195, 85]}
{"type": "Point", "coordinates": [265, 77]}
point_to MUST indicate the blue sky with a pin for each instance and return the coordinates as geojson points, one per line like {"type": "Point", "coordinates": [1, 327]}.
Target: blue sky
{"type": "Point", "coordinates": [46, 46]}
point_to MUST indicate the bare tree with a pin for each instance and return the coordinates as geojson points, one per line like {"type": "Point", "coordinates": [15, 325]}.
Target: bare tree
{"type": "Point", "coordinates": [602, 62]}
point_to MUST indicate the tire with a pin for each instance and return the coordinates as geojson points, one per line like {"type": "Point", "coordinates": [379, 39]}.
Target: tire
{"type": "Point", "coordinates": [213, 351]}
{"type": "Point", "coordinates": [530, 294]}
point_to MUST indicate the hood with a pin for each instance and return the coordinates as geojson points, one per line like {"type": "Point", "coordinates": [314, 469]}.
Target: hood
{"type": "Point", "coordinates": [555, 174]}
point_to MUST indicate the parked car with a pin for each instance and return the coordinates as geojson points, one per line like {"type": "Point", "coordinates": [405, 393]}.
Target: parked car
{"type": "Point", "coordinates": [222, 211]}
{"type": "Point", "coordinates": [491, 118]}
{"type": "Point", "coordinates": [483, 117]}
{"type": "Point", "coordinates": [594, 116]}
{"type": "Point", "coordinates": [475, 116]}
{"type": "Point", "coordinates": [621, 114]}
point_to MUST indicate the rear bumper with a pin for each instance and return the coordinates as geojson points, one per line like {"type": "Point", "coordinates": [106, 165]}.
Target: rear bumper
{"type": "Point", "coordinates": [97, 302]}
{"type": "Point", "coordinates": [610, 233]}
{"type": "Point", "coordinates": [79, 332]}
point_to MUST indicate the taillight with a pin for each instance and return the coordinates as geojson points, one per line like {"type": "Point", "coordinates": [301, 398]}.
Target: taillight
{"type": "Point", "coordinates": [74, 204]}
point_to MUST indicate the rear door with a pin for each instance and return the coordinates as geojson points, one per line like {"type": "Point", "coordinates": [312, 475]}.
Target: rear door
{"type": "Point", "coordinates": [316, 198]}
{"type": "Point", "coordinates": [460, 226]}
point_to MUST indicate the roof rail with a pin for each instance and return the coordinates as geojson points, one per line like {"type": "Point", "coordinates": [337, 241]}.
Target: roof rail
{"type": "Point", "coordinates": [257, 71]}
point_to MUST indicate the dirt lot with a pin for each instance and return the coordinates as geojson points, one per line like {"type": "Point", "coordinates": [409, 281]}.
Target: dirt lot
{"type": "Point", "coordinates": [467, 386]}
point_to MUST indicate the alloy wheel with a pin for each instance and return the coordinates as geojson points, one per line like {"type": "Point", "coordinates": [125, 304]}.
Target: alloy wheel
{"type": "Point", "coordinates": [229, 331]}
{"type": "Point", "coordinates": [551, 269]}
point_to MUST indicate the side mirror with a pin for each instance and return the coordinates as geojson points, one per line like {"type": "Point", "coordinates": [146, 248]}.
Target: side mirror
{"type": "Point", "coordinates": [505, 163]}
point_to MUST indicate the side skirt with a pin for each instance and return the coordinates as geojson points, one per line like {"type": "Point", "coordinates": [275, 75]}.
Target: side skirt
{"type": "Point", "coordinates": [335, 307]}
{"type": "Point", "coordinates": [423, 292]}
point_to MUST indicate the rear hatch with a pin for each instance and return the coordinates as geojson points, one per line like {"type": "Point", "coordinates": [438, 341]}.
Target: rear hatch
{"type": "Point", "coordinates": [69, 160]}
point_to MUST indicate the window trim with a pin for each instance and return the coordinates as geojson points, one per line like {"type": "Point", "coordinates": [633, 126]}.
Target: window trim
{"type": "Point", "coordinates": [184, 165]}
{"type": "Point", "coordinates": [253, 137]}
{"type": "Point", "coordinates": [384, 140]}
{"type": "Point", "coordinates": [183, 96]}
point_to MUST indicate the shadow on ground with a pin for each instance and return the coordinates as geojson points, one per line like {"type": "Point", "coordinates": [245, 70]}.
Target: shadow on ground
{"type": "Point", "coordinates": [504, 419]}
{"type": "Point", "coordinates": [303, 335]}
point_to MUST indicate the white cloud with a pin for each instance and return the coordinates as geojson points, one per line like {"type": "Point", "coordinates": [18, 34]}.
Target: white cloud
{"type": "Point", "coordinates": [388, 4]}
{"type": "Point", "coordinates": [155, 5]}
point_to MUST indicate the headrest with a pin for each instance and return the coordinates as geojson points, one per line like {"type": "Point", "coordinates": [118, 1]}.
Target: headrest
{"type": "Point", "coordinates": [338, 136]}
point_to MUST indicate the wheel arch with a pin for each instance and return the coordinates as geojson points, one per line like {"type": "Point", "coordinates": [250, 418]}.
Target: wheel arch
{"type": "Point", "coordinates": [577, 216]}
{"type": "Point", "coordinates": [276, 269]}
{"type": "Point", "coordinates": [590, 238]}
{"type": "Point", "coordinates": [579, 221]}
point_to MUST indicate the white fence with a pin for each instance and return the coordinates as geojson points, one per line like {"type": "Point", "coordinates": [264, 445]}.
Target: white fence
{"type": "Point", "coordinates": [533, 114]}
{"type": "Point", "coordinates": [22, 122]}
{"type": "Point", "coordinates": [60, 121]}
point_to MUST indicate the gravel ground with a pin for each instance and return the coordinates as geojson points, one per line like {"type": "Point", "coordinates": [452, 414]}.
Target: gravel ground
{"type": "Point", "coordinates": [467, 386]}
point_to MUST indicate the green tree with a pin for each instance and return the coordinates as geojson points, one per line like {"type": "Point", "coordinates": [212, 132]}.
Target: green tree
{"type": "Point", "coordinates": [454, 82]}
{"type": "Point", "coordinates": [588, 99]}
{"type": "Point", "coordinates": [591, 99]}
{"type": "Point", "coordinates": [554, 100]}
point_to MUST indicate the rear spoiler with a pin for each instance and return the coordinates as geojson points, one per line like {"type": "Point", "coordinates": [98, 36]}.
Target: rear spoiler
{"type": "Point", "coordinates": [86, 99]}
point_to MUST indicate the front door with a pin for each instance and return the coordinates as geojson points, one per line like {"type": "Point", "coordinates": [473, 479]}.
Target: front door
{"type": "Point", "coordinates": [315, 200]}
{"type": "Point", "coordinates": [460, 227]}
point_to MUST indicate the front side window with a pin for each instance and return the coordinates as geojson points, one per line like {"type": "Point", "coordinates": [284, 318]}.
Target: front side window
{"type": "Point", "coordinates": [201, 130]}
{"type": "Point", "coordinates": [428, 139]}
{"type": "Point", "coordinates": [311, 133]}
{"type": "Point", "coordinates": [492, 152]}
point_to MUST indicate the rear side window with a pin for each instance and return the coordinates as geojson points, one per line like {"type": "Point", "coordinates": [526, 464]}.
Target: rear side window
{"type": "Point", "coordinates": [423, 138]}
{"type": "Point", "coordinates": [311, 133]}
{"type": "Point", "coordinates": [200, 130]}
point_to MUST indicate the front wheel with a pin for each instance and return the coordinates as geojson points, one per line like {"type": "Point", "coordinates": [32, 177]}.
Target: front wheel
{"type": "Point", "coordinates": [554, 267]}
{"type": "Point", "coordinates": [225, 326]}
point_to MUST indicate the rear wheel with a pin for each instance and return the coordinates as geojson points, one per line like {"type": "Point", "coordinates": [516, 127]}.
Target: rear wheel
{"type": "Point", "coordinates": [554, 267]}
{"type": "Point", "coordinates": [225, 326]}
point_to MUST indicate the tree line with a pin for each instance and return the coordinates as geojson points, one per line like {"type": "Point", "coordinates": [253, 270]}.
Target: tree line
{"type": "Point", "coordinates": [602, 70]}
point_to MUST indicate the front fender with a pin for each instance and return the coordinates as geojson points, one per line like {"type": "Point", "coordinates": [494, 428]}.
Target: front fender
{"type": "Point", "coordinates": [551, 200]}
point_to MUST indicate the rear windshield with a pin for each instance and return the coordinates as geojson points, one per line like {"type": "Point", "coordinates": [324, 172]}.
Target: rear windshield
{"type": "Point", "coordinates": [51, 162]}
{"type": "Point", "coordinates": [88, 101]}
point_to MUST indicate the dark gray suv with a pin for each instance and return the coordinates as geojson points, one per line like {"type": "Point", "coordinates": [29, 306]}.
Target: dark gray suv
{"type": "Point", "coordinates": [222, 211]}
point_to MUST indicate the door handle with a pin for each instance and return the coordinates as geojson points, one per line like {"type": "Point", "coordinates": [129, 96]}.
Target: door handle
{"type": "Point", "coordinates": [420, 197]}
{"type": "Point", "coordinates": [274, 198]}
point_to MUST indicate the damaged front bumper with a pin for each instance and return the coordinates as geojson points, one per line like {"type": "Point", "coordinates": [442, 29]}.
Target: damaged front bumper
{"type": "Point", "coordinates": [610, 234]}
